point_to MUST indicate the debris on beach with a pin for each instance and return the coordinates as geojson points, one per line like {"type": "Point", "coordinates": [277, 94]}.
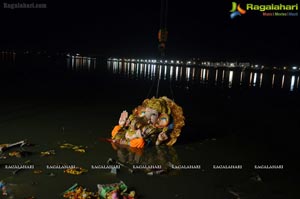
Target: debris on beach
{"type": "Point", "coordinates": [234, 193]}
{"type": "Point", "coordinates": [156, 172]}
{"type": "Point", "coordinates": [116, 162]}
{"type": "Point", "coordinates": [255, 177]}
{"type": "Point", "coordinates": [20, 169]}
{"type": "Point", "coordinates": [3, 188]}
{"type": "Point", "coordinates": [4, 147]}
{"type": "Point", "coordinates": [115, 191]}
{"type": "Point", "coordinates": [105, 191]}
{"type": "Point", "coordinates": [15, 154]}
{"type": "Point", "coordinates": [37, 171]}
{"type": "Point", "coordinates": [149, 171]}
{"type": "Point", "coordinates": [47, 153]}
{"type": "Point", "coordinates": [6, 152]}
{"type": "Point", "coordinates": [75, 171]}
{"type": "Point", "coordinates": [114, 171]}
{"type": "Point", "coordinates": [76, 148]}
{"type": "Point", "coordinates": [19, 154]}
{"type": "Point", "coordinates": [78, 192]}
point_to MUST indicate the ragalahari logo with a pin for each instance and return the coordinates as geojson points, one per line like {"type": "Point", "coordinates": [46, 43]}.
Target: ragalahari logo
{"type": "Point", "coordinates": [236, 10]}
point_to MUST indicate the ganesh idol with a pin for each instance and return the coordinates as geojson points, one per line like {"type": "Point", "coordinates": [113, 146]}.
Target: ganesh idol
{"type": "Point", "coordinates": [156, 121]}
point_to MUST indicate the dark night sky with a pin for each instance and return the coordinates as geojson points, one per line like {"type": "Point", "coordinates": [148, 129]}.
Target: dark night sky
{"type": "Point", "coordinates": [129, 28]}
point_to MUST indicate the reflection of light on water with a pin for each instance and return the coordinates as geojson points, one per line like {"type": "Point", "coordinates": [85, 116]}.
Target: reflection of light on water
{"type": "Point", "coordinates": [203, 74]}
{"type": "Point", "coordinates": [260, 79]}
{"type": "Point", "coordinates": [193, 74]}
{"type": "Point", "coordinates": [292, 83]}
{"type": "Point", "coordinates": [141, 70]}
{"type": "Point", "coordinates": [171, 72]}
{"type": "Point", "coordinates": [89, 63]}
{"type": "Point", "coordinates": [160, 71]}
{"type": "Point", "coordinates": [282, 81]}
{"type": "Point", "coordinates": [187, 73]}
{"type": "Point", "coordinates": [176, 73]}
{"type": "Point", "coordinates": [118, 67]}
{"type": "Point", "coordinates": [8, 56]}
{"type": "Point", "coordinates": [241, 77]}
{"type": "Point", "coordinates": [132, 69]}
{"type": "Point", "coordinates": [152, 69]}
{"type": "Point", "coordinates": [230, 78]}
{"type": "Point", "coordinates": [223, 75]}
{"type": "Point", "coordinates": [254, 79]}
{"type": "Point", "coordinates": [145, 70]}
{"type": "Point", "coordinates": [77, 62]}
{"type": "Point", "coordinates": [250, 82]}
{"type": "Point", "coordinates": [148, 68]}
{"type": "Point", "coordinates": [115, 67]}
{"type": "Point", "coordinates": [69, 63]}
{"type": "Point", "coordinates": [181, 71]}
{"type": "Point", "coordinates": [94, 64]}
{"type": "Point", "coordinates": [73, 63]}
{"type": "Point", "coordinates": [165, 72]}
{"type": "Point", "coordinates": [127, 66]}
{"type": "Point", "coordinates": [85, 63]}
{"type": "Point", "coordinates": [207, 74]}
{"type": "Point", "coordinates": [138, 69]}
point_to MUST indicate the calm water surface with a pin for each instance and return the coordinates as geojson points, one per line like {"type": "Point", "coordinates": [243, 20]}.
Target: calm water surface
{"type": "Point", "coordinates": [232, 117]}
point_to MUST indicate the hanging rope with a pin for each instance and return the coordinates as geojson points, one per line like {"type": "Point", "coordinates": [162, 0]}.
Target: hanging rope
{"type": "Point", "coordinates": [151, 88]}
{"type": "Point", "coordinates": [171, 90]}
{"type": "Point", "coordinates": [162, 39]}
{"type": "Point", "coordinates": [157, 88]}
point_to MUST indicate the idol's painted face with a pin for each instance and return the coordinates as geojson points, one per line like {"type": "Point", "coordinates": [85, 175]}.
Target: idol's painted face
{"type": "Point", "coordinates": [163, 120]}
{"type": "Point", "coordinates": [151, 115]}
{"type": "Point", "coordinates": [140, 111]}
